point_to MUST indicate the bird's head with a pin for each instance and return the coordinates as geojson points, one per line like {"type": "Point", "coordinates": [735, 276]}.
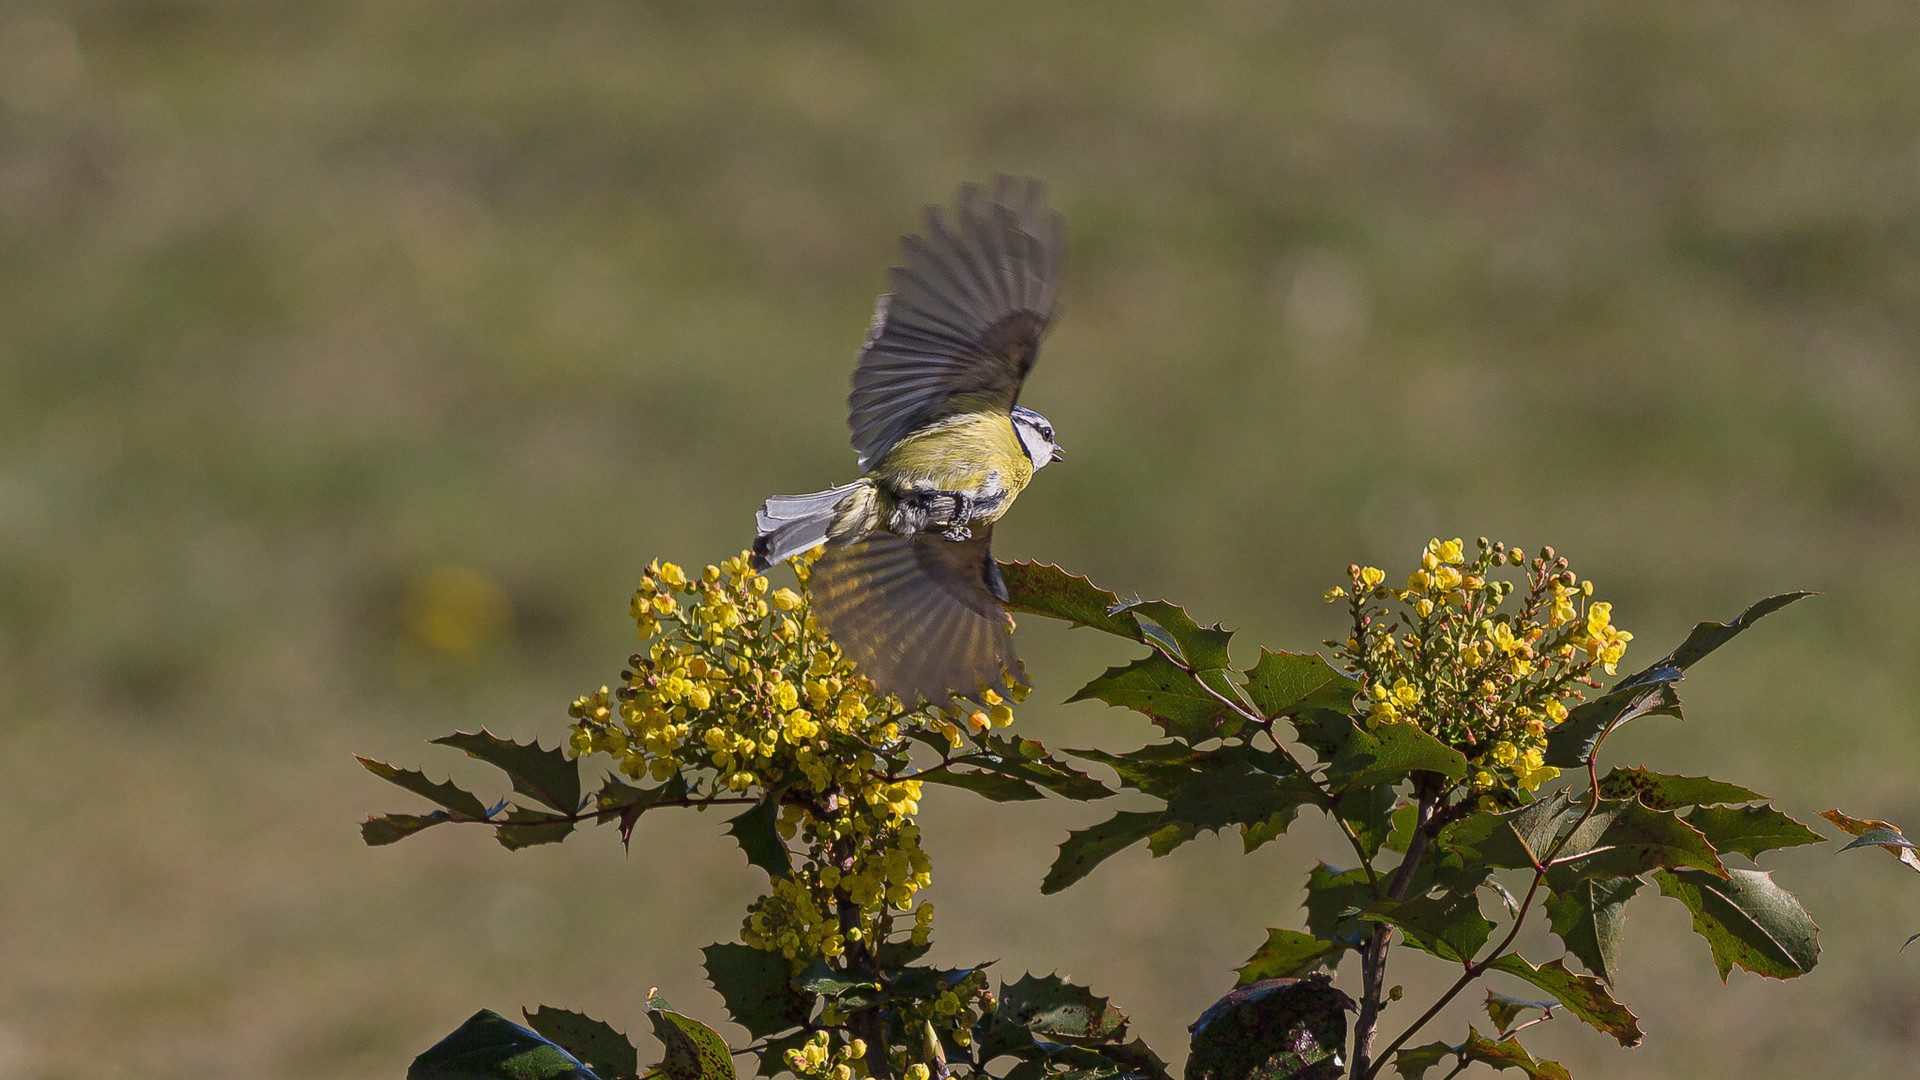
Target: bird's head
{"type": "Point", "coordinates": [1036, 437]}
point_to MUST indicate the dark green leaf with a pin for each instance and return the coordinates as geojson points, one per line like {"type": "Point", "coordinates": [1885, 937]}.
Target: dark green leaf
{"type": "Point", "coordinates": [622, 802]}
{"type": "Point", "coordinates": [1325, 731]}
{"type": "Point", "coordinates": [1159, 769]}
{"type": "Point", "coordinates": [1708, 636]}
{"type": "Point", "coordinates": [1660, 791]}
{"type": "Point", "coordinates": [756, 988]}
{"type": "Point", "coordinates": [1042, 589]}
{"type": "Point", "coordinates": [819, 978]}
{"type": "Point", "coordinates": [1368, 811]}
{"type": "Point", "coordinates": [1412, 1062]}
{"type": "Point", "coordinates": [1503, 1010]}
{"type": "Point", "coordinates": [1087, 848]}
{"type": "Point", "coordinates": [1389, 754]}
{"type": "Point", "coordinates": [1028, 760]}
{"type": "Point", "coordinates": [463, 803]}
{"type": "Point", "coordinates": [389, 828]}
{"type": "Point", "coordinates": [605, 1051]}
{"type": "Point", "coordinates": [1401, 832]}
{"type": "Point", "coordinates": [1577, 738]}
{"type": "Point", "coordinates": [1747, 920]}
{"type": "Point", "coordinates": [1750, 830]}
{"type": "Point", "coordinates": [1510, 1055]}
{"type": "Point", "coordinates": [1198, 647]}
{"type": "Point", "coordinates": [998, 787]}
{"type": "Point", "coordinates": [694, 1051]}
{"type": "Point", "coordinates": [1334, 898]}
{"type": "Point", "coordinates": [1287, 954]}
{"type": "Point", "coordinates": [758, 834]}
{"type": "Point", "coordinates": [1234, 792]}
{"type": "Point", "coordinates": [491, 1047]}
{"type": "Point", "coordinates": [1051, 1006]}
{"type": "Point", "coordinates": [1512, 839]}
{"type": "Point", "coordinates": [1589, 917]}
{"type": "Point", "coordinates": [526, 828]}
{"type": "Point", "coordinates": [1583, 995]}
{"type": "Point", "coordinates": [1449, 926]}
{"type": "Point", "coordinates": [1624, 838]}
{"type": "Point", "coordinates": [544, 775]}
{"type": "Point", "coordinates": [1284, 683]}
{"type": "Point", "coordinates": [1157, 687]}
{"type": "Point", "coordinates": [1278, 1029]}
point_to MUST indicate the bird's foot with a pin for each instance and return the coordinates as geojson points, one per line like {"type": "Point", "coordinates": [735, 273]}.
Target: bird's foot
{"type": "Point", "coordinates": [957, 532]}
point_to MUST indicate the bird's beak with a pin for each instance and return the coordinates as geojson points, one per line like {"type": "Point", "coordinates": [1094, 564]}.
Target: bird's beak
{"type": "Point", "coordinates": [1057, 454]}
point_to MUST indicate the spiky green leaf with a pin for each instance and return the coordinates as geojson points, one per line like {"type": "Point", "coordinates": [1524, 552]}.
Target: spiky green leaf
{"type": "Point", "coordinates": [392, 828]}
{"type": "Point", "coordinates": [1284, 683]}
{"type": "Point", "coordinates": [1087, 848]}
{"type": "Point", "coordinates": [756, 987]}
{"type": "Point", "coordinates": [491, 1047]}
{"type": "Point", "coordinates": [546, 776]}
{"type": "Point", "coordinates": [694, 1051]}
{"type": "Point", "coordinates": [448, 794]}
{"type": "Point", "coordinates": [1660, 791]}
{"type": "Point", "coordinates": [526, 828]}
{"type": "Point", "coordinates": [1589, 917]}
{"type": "Point", "coordinates": [1510, 1055]}
{"type": "Point", "coordinates": [1044, 589]}
{"type": "Point", "coordinates": [604, 1050]}
{"type": "Point", "coordinates": [1584, 996]}
{"type": "Point", "coordinates": [1287, 954]}
{"type": "Point", "coordinates": [1747, 920]}
{"type": "Point", "coordinates": [1448, 926]}
{"type": "Point", "coordinates": [1157, 687]}
{"type": "Point", "coordinates": [1750, 830]}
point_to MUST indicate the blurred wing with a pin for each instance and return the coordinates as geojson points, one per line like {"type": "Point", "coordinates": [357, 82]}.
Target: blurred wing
{"type": "Point", "coordinates": [965, 317]}
{"type": "Point", "coordinates": [921, 616]}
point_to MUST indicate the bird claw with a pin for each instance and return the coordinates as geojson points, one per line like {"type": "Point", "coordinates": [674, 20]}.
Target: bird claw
{"type": "Point", "coordinates": [957, 533]}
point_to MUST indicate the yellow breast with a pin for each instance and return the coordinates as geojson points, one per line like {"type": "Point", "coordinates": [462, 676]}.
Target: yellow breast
{"type": "Point", "coordinates": [975, 453]}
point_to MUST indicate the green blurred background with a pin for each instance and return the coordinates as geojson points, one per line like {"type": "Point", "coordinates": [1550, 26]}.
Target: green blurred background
{"type": "Point", "coordinates": [324, 324]}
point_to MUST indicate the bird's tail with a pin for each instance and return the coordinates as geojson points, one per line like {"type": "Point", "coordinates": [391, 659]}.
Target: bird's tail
{"type": "Point", "coordinates": [791, 524]}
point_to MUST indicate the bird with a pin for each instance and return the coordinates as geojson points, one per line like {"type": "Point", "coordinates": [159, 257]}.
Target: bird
{"type": "Point", "coordinates": [905, 583]}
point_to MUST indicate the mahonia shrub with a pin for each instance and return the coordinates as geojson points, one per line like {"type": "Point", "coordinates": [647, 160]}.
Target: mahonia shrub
{"type": "Point", "coordinates": [1453, 737]}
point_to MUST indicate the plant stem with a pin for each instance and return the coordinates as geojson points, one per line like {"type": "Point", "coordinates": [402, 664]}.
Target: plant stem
{"type": "Point", "coordinates": [1373, 958]}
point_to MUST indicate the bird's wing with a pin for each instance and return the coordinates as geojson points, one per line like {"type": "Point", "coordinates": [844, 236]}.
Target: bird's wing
{"type": "Point", "coordinates": [922, 616]}
{"type": "Point", "coordinates": [966, 315]}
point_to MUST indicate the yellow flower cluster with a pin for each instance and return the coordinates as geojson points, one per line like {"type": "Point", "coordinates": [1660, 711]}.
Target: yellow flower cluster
{"type": "Point", "coordinates": [1448, 655]}
{"type": "Point", "coordinates": [739, 693]}
{"type": "Point", "coordinates": [819, 1059]}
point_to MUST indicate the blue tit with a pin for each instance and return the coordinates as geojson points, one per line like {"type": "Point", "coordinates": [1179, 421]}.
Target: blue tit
{"type": "Point", "coordinates": [906, 583]}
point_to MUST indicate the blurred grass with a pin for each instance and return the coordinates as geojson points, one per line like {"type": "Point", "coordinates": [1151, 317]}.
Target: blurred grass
{"type": "Point", "coordinates": [302, 305]}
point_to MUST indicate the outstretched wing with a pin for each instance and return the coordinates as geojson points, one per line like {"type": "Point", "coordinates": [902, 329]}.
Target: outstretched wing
{"type": "Point", "coordinates": [922, 616]}
{"type": "Point", "coordinates": [966, 315]}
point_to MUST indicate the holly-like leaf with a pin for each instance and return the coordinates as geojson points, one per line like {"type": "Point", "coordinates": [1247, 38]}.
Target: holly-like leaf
{"type": "Point", "coordinates": [1389, 754]}
{"type": "Point", "coordinates": [1368, 812]}
{"type": "Point", "coordinates": [1169, 626]}
{"type": "Point", "coordinates": [604, 1050]}
{"type": "Point", "coordinates": [619, 801]}
{"type": "Point", "coordinates": [1504, 1009]}
{"type": "Point", "coordinates": [995, 786]}
{"type": "Point", "coordinates": [463, 803]}
{"type": "Point", "coordinates": [1708, 636]}
{"type": "Point", "coordinates": [1044, 589]}
{"type": "Point", "coordinates": [491, 1047]}
{"type": "Point", "coordinates": [1157, 687]}
{"type": "Point", "coordinates": [1589, 917]}
{"type": "Point", "coordinates": [546, 776]}
{"type": "Point", "coordinates": [1649, 691]}
{"type": "Point", "coordinates": [758, 834]}
{"type": "Point", "coordinates": [1284, 683]}
{"type": "Point", "coordinates": [1049, 1005]}
{"type": "Point", "coordinates": [1158, 769]}
{"type": "Point", "coordinates": [1892, 845]}
{"type": "Point", "coordinates": [1624, 837]}
{"type": "Point", "coordinates": [1234, 792]}
{"type": "Point", "coordinates": [392, 828]}
{"type": "Point", "coordinates": [1400, 829]}
{"type": "Point", "coordinates": [694, 1051]}
{"type": "Point", "coordinates": [1412, 1062]}
{"type": "Point", "coordinates": [525, 828]}
{"type": "Point", "coordinates": [1087, 848]}
{"type": "Point", "coordinates": [1660, 791]}
{"type": "Point", "coordinates": [1288, 954]}
{"type": "Point", "coordinates": [756, 987]}
{"type": "Point", "coordinates": [1584, 996]}
{"type": "Point", "coordinates": [1510, 1055]}
{"type": "Point", "coordinates": [1750, 830]}
{"type": "Point", "coordinates": [1028, 762]}
{"type": "Point", "coordinates": [1747, 920]}
{"type": "Point", "coordinates": [1577, 739]}
{"type": "Point", "coordinates": [1448, 926]}
{"type": "Point", "coordinates": [1512, 839]}
{"type": "Point", "coordinates": [1334, 898]}
{"type": "Point", "coordinates": [1277, 1029]}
